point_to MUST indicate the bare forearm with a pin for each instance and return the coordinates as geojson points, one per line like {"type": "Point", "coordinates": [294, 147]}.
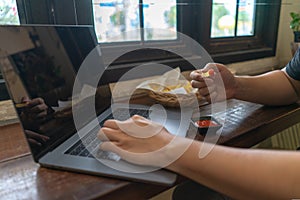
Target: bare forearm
{"type": "Point", "coordinates": [243, 174]}
{"type": "Point", "coordinates": [273, 88]}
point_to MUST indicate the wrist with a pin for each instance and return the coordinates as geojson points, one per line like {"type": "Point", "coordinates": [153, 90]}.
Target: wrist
{"type": "Point", "coordinates": [181, 154]}
{"type": "Point", "coordinates": [175, 150]}
{"type": "Point", "coordinates": [236, 89]}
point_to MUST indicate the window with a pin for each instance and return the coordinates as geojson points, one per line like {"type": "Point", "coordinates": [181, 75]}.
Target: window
{"type": "Point", "coordinates": [230, 30]}
{"type": "Point", "coordinates": [238, 30]}
{"type": "Point", "coordinates": [122, 25]}
{"type": "Point", "coordinates": [123, 20]}
{"type": "Point", "coordinates": [9, 12]}
{"type": "Point", "coordinates": [232, 19]}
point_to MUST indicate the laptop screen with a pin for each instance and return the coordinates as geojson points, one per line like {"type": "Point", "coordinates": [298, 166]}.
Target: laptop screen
{"type": "Point", "coordinates": [39, 64]}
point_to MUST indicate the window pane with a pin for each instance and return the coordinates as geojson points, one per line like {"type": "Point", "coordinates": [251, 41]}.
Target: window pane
{"type": "Point", "coordinates": [117, 20]}
{"type": "Point", "coordinates": [9, 12]}
{"type": "Point", "coordinates": [223, 18]}
{"type": "Point", "coordinates": [246, 18]}
{"type": "Point", "coordinates": [160, 15]}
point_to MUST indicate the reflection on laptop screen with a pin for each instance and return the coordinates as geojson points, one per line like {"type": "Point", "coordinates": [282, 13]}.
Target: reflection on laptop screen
{"type": "Point", "coordinates": [39, 64]}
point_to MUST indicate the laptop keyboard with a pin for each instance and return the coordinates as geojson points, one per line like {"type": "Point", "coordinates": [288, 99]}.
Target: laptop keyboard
{"type": "Point", "coordinates": [123, 114]}
{"type": "Point", "coordinates": [88, 145]}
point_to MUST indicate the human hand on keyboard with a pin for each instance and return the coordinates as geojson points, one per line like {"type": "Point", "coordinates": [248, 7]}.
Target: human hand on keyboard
{"type": "Point", "coordinates": [137, 140]}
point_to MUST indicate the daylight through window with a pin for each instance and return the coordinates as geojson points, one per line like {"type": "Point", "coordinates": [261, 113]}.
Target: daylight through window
{"type": "Point", "coordinates": [121, 20]}
{"type": "Point", "coordinates": [9, 12]}
{"type": "Point", "coordinates": [231, 18]}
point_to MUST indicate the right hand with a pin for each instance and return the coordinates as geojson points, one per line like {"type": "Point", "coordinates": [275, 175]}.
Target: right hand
{"type": "Point", "coordinates": [137, 140]}
{"type": "Point", "coordinates": [211, 88]}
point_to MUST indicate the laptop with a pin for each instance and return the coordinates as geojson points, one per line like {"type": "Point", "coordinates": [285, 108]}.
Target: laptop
{"type": "Point", "coordinates": [40, 64]}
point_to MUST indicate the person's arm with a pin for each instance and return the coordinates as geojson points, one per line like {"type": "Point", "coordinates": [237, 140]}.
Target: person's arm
{"type": "Point", "coordinates": [273, 88]}
{"type": "Point", "coordinates": [243, 174]}
{"type": "Point", "coordinates": [238, 173]}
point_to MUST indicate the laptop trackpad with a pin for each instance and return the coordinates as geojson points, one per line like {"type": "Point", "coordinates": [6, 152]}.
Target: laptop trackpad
{"type": "Point", "coordinates": [176, 127]}
{"type": "Point", "coordinates": [176, 122]}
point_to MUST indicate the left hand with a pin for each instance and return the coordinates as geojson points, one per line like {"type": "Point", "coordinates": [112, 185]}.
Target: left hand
{"type": "Point", "coordinates": [36, 139]}
{"type": "Point", "coordinates": [219, 87]}
{"type": "Point", "coordinates": [136, 140]}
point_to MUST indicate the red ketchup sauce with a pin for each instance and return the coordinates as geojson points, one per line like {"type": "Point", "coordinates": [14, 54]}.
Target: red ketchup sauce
{"type": "Point", "coordinates": [206, 123]}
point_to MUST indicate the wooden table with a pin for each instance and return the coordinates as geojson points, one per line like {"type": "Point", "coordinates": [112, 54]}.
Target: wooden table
{"type": "Point", "coordinates": [20, 178]}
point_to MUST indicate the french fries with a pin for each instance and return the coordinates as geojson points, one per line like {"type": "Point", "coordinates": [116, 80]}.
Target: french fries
{"type": "Point", "coordinates": [162, 88]}
{"type": "Point", "coordinates": [21, 105]}
{"type": "Point", "coordinates": [209, 73]}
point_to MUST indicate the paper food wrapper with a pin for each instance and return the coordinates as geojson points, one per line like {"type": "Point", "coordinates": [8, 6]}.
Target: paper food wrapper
{"type": "Point", "coordinates": [171, 82]}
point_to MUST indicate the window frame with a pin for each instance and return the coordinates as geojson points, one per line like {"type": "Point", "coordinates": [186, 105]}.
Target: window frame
{"type": "Point", "coordinates": [192, 21]}
{"type": "Point", "coordinates": [183, 16]}
{"type": "Point", "coordinates": [233, 49]}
